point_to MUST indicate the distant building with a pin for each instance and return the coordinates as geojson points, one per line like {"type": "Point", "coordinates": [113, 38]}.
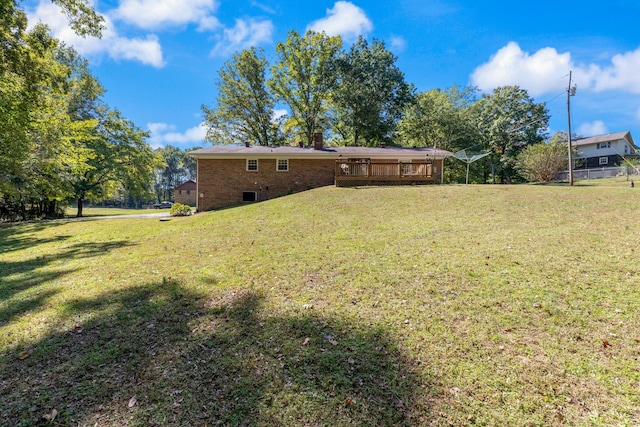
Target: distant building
{"type": "Point", "coordinates": [604, 150]}
{"type": "Point", "coordinates": [186, 193]}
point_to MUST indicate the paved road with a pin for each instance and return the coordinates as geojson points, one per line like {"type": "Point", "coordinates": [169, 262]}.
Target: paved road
{"type": "Point", "coordinates": [92, 218]}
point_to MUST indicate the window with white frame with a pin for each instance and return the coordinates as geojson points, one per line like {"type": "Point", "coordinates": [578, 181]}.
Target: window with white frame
{"type": "Point", "coordinates": [252, 165]}
{"type": "Point", "coordinates": [282, 165]}
{"type": "Point", "coordinates": [603, 160]}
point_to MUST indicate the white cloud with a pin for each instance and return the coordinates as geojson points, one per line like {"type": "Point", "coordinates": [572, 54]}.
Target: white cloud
{"type": "Point", "coordinates": [622, 74]}
{"type": "Point", "coordinates": [594, 128]}
{"type": "Point", "coordinates": [245, 34]}
{"type": "Point", "coordinates": [344, 19]}
{"type": "Point", "coordinates": [545, 71]}
{"type": "Point", "coordinates": [278, 114]}
{"type": "Point", "coordinates": [157, 14]}
{"type": "Point", "coordinates": [538, 73]}
{"type": "Point", "coordinates": [165, 134]}
{"type": "Point", "coordinates": [398, 44]}
{"type": "Point", "coordinates": [145, 50]}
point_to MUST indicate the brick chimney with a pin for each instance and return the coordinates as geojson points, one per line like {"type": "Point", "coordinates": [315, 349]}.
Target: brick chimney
{"type": "Point", "coordinates": [318, 141]}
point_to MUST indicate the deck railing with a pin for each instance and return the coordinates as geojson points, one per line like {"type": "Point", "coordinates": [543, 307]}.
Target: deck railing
{"type": "Point", "coordinates": [364, 173]}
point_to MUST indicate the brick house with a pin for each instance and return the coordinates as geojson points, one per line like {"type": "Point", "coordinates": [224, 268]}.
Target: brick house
{"type": "Point", "coordinates": [232, 175]}
{"type": "Point", "coordinates": [186, 192]}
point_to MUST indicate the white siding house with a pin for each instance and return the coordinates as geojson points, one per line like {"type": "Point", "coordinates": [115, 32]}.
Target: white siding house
{"type": "Point", "coordinates": [604, 150]}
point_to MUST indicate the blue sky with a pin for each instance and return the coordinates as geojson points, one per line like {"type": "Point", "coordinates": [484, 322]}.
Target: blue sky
{"type": "Point", "coordinates": [158, 59]}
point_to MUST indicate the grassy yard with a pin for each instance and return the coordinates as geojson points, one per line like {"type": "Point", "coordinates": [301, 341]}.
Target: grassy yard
{"type": "Point", "coordinates": [434, 305]}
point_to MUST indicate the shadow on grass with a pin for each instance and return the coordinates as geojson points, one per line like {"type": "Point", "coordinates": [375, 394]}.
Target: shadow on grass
{"type": "Point", "coordinates": [160, 355]}
{"type": "Point", "coordinates": [19, 276]}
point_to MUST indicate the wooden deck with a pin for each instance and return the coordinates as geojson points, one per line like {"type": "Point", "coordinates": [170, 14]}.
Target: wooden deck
{"type": "Point", "coordinates": [383, 173]}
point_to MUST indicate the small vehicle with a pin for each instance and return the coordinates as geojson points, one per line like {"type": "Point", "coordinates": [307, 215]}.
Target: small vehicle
{"type": "Point", "coordinates": [162, 205]}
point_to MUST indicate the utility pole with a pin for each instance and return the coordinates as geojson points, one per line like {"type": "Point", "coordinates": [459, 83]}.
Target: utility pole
{"type": "Point", "coordinates": [571, 91]}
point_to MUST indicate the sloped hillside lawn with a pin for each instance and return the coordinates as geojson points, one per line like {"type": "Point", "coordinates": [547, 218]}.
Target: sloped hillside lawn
{"type": "Point", "coordinates": [435, 305]}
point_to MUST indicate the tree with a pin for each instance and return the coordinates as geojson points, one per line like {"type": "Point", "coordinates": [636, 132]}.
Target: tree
{"type": "Point", "coordinates": [370, 95]}
{"type": "Point", "coordinates": [509, 120]}
{"type": "Point", "coordinates": [177, 167]}
{"type": "Point", "coordinates": [115, 155]}
{"type": "Point", "coordinates": [32, 106]}
{"type": "Point", "coordinates": [439, 118]}
{"type": "Point", "coordinates": [244, 107]}
{"type": "Point", "coordinates": [542, 162]}
{"type": "Point", "coordinates": [304, 78]}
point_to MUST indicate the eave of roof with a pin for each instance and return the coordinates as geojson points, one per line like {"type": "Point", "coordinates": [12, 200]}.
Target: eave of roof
{"type": "Point", "coordinates": [186, 185]}
{"type": "Point", "coordinates": [235, 152]}
{"type": "Point", "coordinates": [609, 137]}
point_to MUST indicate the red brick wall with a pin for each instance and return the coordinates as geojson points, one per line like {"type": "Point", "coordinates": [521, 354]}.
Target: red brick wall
{"type": "Point", "coordinates": [186, 197]}
{"type": "Point", "coordinates": [222, 182]}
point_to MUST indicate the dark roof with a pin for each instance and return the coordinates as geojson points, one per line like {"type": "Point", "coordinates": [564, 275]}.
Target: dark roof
{"type": "Point", "coordinates": [609, 137]}
{"type": "Point", "coordinates": [241, 151]}
{"type": "Point", "coordinates": [187, 185]}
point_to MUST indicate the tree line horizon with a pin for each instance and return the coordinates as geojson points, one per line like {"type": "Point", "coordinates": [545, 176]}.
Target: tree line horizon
{"type": "Point", "coordinates": [60, 143]}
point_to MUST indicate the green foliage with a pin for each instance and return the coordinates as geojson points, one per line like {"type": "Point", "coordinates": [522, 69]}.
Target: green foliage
{"type": "Point", "coordinates": [178, 209]}
{"type": "Point", "coordinates": [304, 78]}
{"type": "Point", "coordinates": [114, 154]}
{"type": "Point", "coordinates": [244, 107]}
{"type": "Point", "coordinates": [84, 20]}
{"type": "Point", "coordinates": [176, 168]}
{"type": "Point", "coordinates": [542, 162]}
{"type": "Point", "coordinates": [371, 94]}
{"type": "Point", "coordinates": [47, 96]}
{"type": "Point", "coordinates": [440, 118]}
{"type": "Point", "coordinates": [508, 121]}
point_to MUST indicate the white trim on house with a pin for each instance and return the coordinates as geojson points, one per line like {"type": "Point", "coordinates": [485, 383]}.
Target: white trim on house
{"type": "Point", "coordinates": [253, 165]}
{"type": "Point", "coordinates": [282, 165]}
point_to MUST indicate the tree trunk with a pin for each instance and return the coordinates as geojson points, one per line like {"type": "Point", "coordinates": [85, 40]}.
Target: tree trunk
{"type": "Point", "coordinates": [80, 202]}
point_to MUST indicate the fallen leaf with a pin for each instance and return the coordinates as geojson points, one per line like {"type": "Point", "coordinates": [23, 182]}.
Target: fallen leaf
{"type": "Point", "coordinates": [508, 330]}
{"type": "Point", "coordinates": [132, 402]}
{"type": "Point", "coordinates": [348, 401]}
{"type": "Point", "coordinates": [333, 342]}
{"type": "Point", "coordinates": [24, 355]}
{"type": "Point", "coordinates": [305, 341]}
{"type": "Point", "coordinates": [50, 417]}
{"type": "Point", "coordinates": [605, 344]}
{"type": "Point", "coordinates": [351, 361]}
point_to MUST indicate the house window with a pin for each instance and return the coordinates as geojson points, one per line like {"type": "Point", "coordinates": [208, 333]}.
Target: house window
{"type": "Point", "coordinates": [188, 191]}
{"type": "Point", "coordinates": [604, 145]}
{"type": "Point", "coordinates": [282, 165]}
{"type": "Point", "coordinates": [249, 196]}
{"type": "Point", "coordinates": [603, 160]}
{"type": "Point", "coordinates": [252, 165]}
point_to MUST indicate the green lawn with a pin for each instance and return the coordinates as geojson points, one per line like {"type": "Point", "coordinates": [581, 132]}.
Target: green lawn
{"type": "Point", "coordinates": [430, 305]}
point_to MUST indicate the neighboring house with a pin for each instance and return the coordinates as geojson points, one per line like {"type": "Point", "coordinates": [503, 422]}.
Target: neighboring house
{"type": "Point", "coordinates": [186, 193]}
{"type": "Point", "coordinates": [232, 175]}
{"type": "Point", "coordinates": [604, 150]}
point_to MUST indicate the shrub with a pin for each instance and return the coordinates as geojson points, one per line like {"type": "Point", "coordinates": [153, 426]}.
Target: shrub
{"type": "Point", "coordinates": [541, 162]}
{"type": "Point", "coordinates": [178, 209]}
